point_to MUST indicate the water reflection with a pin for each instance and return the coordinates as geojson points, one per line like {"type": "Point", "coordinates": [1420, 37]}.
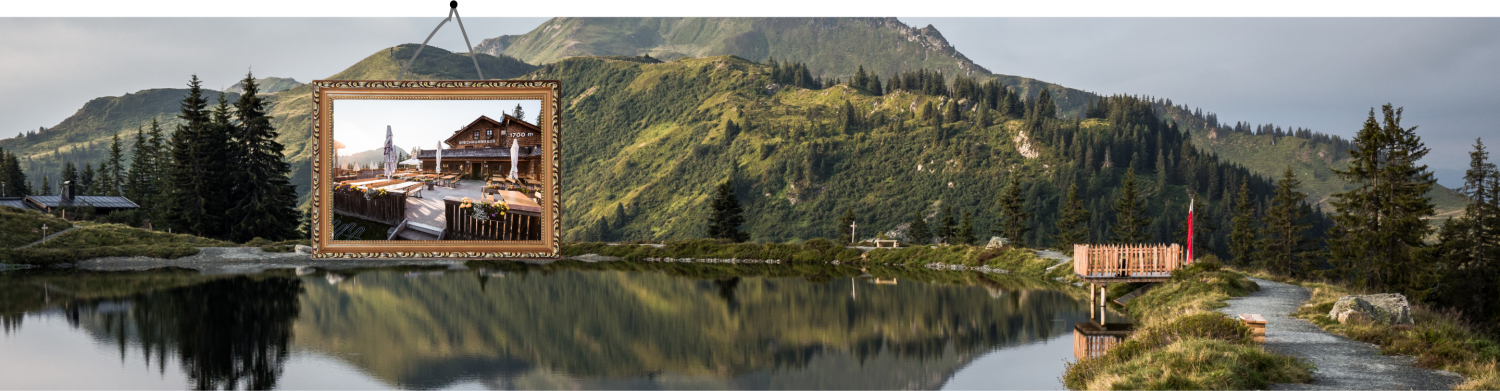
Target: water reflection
{"type": "Point", "coordinates": [518, 326]}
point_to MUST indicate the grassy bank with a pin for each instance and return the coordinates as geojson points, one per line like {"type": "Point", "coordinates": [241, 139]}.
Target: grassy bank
{"type": "Point", "coordinates": [1018, 261]}
{"type": "Point", "coordinates": [1438, 339]}
{"type": "Point", "coordinates": [93, 240]}
{"type": "Point", "coordinates": [1182, 343]}
{"type": "Point", "coordinates": [19, 227]}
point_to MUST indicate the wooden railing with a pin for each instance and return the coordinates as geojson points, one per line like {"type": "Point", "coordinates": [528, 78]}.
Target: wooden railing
{"type": "Point", "coordinates": [1156, 260]}
{"type": "Point", "coordinates": [515, 225]}
{"type": "Point", "coordinates": [388, 209]}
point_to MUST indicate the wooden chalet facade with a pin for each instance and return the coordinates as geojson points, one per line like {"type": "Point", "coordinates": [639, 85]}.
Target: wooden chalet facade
{"type": "Point", "coordinates": [482, 148]}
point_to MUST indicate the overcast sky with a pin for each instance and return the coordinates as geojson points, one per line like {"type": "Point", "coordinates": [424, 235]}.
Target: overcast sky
{"type": "Point", "coordinates": [1323, 74]}
{"type": "Point", "coordinates": [360, 124]}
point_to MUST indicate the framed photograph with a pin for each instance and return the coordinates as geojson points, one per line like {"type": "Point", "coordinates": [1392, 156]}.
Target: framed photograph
{"type": "Point", "coordinates": [435, 169]}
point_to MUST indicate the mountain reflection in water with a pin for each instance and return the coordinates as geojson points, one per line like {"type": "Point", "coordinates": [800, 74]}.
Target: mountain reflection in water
{"type": "Point", "coordinates": [624, 326]}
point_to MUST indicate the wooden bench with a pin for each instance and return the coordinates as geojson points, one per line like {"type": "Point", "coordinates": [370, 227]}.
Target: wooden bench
{"type": "Point", "coordinates": [879, 243]}
{"type": "Point", "coordinates": [1257, 326]}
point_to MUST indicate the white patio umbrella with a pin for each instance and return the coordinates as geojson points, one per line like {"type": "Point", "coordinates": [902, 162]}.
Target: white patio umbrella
{"type": "Point", "coordinates": [515, 149]}
{"type": "Point", "coordinates": [440, 157]}
{"type": "Point", "coordinates": [410, 161]}
{"type": "Point", "coordinates": [390, 154]}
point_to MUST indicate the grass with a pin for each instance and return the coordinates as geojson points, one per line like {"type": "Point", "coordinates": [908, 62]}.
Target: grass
{"type": "Point", "coordinates": [1182, 343]}
{"type": "Point", "coordinates": [1018, 261]}
{"type": "Point", "coordinates": [19, 227]}
{"type": "Point", "coordinates": [1438, 339]}
{"type": "Point", "coordinates": [93, 240]}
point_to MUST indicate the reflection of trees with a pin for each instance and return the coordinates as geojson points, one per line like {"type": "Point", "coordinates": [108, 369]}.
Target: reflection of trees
{"type": "Point", "coordinates": [226, 333]}
{"type": "Point", "coordinates": [626, 325]}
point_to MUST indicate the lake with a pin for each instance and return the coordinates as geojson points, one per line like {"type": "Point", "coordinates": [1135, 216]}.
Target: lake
{"type": "Point", "coordinates": [565, 325]}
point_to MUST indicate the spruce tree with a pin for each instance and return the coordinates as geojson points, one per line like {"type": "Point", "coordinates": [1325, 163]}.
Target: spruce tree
{"type": "Point", "coordinates": [46, 186]}
{"type": "Point", "coordinates": [70, 173]}
{"type": "Point", "coordinates": [184, 206]}
{"type": "Point", "coordinates": [946, 225]}
{"type": "Point", "coordinates": [951, 113]}
{"type": "Point", "coordinates": [1072, 228]}
{"type": "Point", "coordinates": [114, 171]}
{"type": "Point", "coordinates": [1129, 213]}
{"type": "Point", "coordinates": [1242, 232]}
{"type": "Point", "coordinates": [726, 216]}
{"type": "Point", "coordinates": [265, 200]}
{"type": "Point", "coordinates": [518, 113]}
{"type": "Point", "coordinates": [1013, 213]}
{"type": "Point", "coordinates": [86, 180]}
{"type": "Point", "coordinates": [965, 233]}
{"type": "Point", "coordinates": [1284, 249]}
{"type": "Point", "coordinates": [844, 226]}
{"type": "Point", "coordinates": [161, 160]}
{"type": "Point", "coordinates": [139, 184]}
{"type": "Point", "coordinates": [1377, 239]}
{"type": "Point", "coordinates": [918, 232]}
{"type": "Point", "coordinates": [1468, 245]}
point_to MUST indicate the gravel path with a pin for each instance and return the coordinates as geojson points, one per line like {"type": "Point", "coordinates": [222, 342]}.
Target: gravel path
{"type": "Point", "coordinates": [1341, 363]}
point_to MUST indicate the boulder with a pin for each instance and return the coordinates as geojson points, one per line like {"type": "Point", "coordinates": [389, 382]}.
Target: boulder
{"type": "Point", "coordinates": [303, 249]}
{"type": "Point", "coordinates": [1387, 308]}
{"type": "Point", "coordinates": [996, 242]}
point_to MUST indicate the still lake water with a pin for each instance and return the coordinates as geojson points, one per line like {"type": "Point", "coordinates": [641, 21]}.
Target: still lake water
{"type": "Point", "coordinates": [519, 326]}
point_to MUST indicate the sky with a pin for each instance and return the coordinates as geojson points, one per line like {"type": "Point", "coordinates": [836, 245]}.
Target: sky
{"type": "Point", "coordinates": [360, 124]}
{"type": "Point", "coordinates": [1319, 73]}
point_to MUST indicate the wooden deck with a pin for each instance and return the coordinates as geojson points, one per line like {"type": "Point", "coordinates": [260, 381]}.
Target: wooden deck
{"type": "Point", "coordinates": [1126, 263]}
{"type": "Point", "coordinates": [522, 222]}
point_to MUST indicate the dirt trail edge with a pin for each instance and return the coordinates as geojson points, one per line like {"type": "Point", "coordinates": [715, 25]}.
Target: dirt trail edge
{"type": "Point", "coordinates": [1342, 363]}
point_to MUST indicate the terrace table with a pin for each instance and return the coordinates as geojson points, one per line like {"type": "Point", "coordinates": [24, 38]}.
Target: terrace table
{"type": "Point", "coordinates": [519, 202]}
{"type": "Point", "coordinates": [413, 189]}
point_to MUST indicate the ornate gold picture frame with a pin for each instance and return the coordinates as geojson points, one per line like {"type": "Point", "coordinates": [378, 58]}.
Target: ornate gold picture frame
{"type": "Point", "coordinates": [494, 194]}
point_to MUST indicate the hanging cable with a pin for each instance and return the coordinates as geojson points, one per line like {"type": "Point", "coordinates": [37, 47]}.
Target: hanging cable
{"type": "Point", "coordinates": [452, 14]}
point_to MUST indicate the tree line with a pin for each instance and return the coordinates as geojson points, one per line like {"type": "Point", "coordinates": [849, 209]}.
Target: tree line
{"type": "Point", "coordinates": [220, 174]}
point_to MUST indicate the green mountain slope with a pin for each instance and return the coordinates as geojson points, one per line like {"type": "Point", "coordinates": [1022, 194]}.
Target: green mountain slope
{"type": "Point", "coordinates": [267, 85]}
{"type": "Point", "coordinates": [1311, 159]}
{"type": "Point", "coordinates": [831, 47]}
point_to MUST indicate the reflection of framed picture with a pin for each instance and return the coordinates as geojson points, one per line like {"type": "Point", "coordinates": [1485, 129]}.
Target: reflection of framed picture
{"type": "Point", "coordinates": [435, 169]}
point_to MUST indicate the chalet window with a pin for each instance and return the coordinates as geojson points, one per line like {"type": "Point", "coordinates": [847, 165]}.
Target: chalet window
{"type": "Point", "coordinates": [489, 134]}
{"type": "Point", "coordinates": [476, 135]}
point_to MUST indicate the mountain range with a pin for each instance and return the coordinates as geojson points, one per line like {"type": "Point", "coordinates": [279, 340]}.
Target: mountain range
{"type": "Point", "coordinates": [656, 110]}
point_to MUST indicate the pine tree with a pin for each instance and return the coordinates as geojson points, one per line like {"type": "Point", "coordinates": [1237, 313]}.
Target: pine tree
{"type": "Point", "coordinates": [918, 232]}
{"type": "Point", "coordinates": [70, 173]}
{"type": "Point", "coordinates": [161, 160]}
{"type": "Point", "coordinates": [1072, 228]}
{"type": "Point", "coordinates": [844, 230]}
{"type": "Point", "coordinates": [726, 216]}
{"type": "Point", "coordinates": [115, 173]}
{"type": "Point", "coordinates": [1468, 245]}
{"type": "Point", "coordinates": [46, 186]}
{"type": "Point", "coordinates": [965, 233]}
{"type": "Point", "coordinates": [860, 78]}
{"type": "Point", "coordinates": [946, 225]}
{"type": "Point", "coordinates": [952, 114]}
{"type": "Point", "coordinates": [184, 207]}
{"type": "Point", "coordinates": [13, 182]}
{"type": "Point", "coordinates": [1013, 214]}
{"type": "Point", "coordinates": [86, 180]}
{"type": "Point", "coordinates": [139, 183]}
{"type": "Point", "coordinates": [518, 113]}
{"type": "Point", "coordinates": [1242, 233]}
{"type": "Point", "coordinates": [265, 200]}
{"type": "Point", "coordinates": [1284, 248]}
{"type": "Point", "coordinates": [1129, 213]}
{"type": "Point", "coordinates": [1376, 242]}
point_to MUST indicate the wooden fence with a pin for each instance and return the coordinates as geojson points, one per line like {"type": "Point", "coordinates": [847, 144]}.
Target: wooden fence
{"type": "Point", "coordinates": [388, 209]}
{"type": "Point", "coordinates": [1126, 261]}
{"type": "Point", "coordinates": [515, 225]}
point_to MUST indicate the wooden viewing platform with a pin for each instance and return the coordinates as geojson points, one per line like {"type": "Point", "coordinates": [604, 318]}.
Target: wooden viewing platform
{"type": "Point", "coordinates": [1126, 263]}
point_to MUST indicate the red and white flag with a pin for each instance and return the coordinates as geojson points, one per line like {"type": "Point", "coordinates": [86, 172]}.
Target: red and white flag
{"type": "Point", "coordinates": [1190, 231]}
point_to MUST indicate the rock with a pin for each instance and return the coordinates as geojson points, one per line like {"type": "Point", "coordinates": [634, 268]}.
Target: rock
{"type": "Point", "coordinates": [996, 242]}
{"type": "Point", "coordinates": [303, 249]}
{"type": "Point", "coordinates": [1387, 308]}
